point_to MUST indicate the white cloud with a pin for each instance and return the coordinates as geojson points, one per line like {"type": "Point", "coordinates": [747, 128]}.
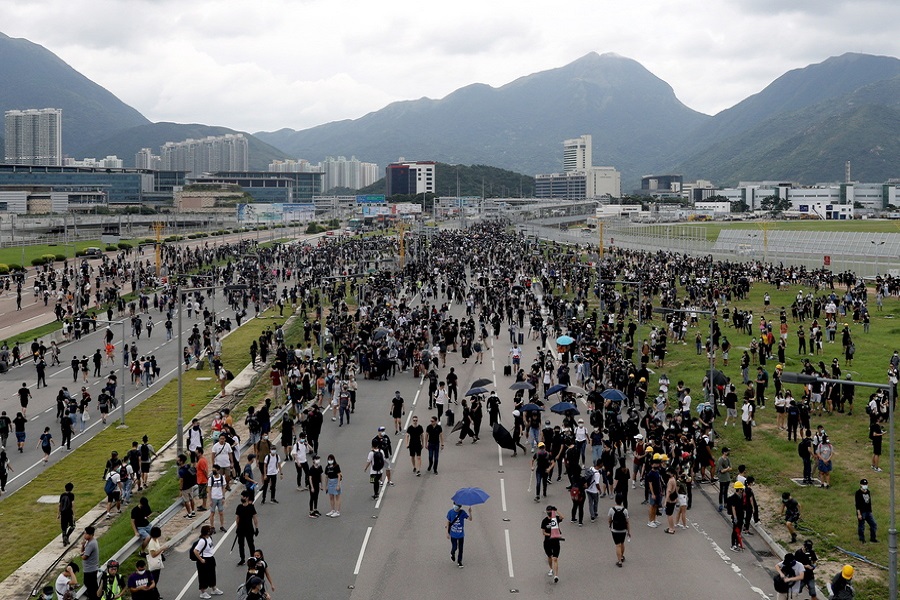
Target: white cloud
{"type": "Point", "coordinates": [298, 63]}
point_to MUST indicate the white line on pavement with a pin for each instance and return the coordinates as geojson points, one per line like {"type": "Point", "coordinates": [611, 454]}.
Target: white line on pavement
{"type": "Point", "coordinates": [362, 552]}
{"type": "Point", "coordinates": [508, 554]}
{"type": "Point", "coordinates": [503, 494]}
{"type": "Point", "coordinates": [500, 455]}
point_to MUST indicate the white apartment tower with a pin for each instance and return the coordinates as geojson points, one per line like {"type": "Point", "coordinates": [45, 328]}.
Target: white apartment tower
{"type": "Point", "coordinates": [210, 155]}
{"type": "Point", "coordinates": [577, 154]}
{"type": "Point", "coordinates": [33, 137]}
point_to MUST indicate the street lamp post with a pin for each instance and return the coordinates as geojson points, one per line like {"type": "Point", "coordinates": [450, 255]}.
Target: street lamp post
{"type": "Point", "coordinates": [800, 378]}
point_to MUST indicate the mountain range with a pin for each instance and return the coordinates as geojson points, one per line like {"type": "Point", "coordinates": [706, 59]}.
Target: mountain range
{"type": "Point", "coordinates": [802, 127]}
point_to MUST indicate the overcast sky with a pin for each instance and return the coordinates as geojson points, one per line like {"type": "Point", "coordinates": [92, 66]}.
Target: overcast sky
{"type": "Point", "coordinates": [267, 64]}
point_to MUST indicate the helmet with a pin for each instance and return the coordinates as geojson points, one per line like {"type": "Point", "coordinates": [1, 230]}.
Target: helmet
{"type": "Point", "coordinates": [643, 379]}
{"type": "Point", "coordinates": [112, 563]}
{"type": "Point", "coordinates": [657, 456]}
{"type": "Point", "coordinates": [847, 572]}
{"type": "Point", "coordinates": [738, 485]}
{"type": "Point", "coordinates": [664, 457]}
{"type": "Point", "coordinates": [779, 366]}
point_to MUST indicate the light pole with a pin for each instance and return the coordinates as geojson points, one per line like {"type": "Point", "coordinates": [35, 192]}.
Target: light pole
{"type": "Point", "coordinates": [803, 379]}
{"type": "Point", "coordinates": [122, 425]}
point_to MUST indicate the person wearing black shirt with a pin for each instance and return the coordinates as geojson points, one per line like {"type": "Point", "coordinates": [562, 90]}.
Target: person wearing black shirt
{"type": "Point", "coordinates": [552, 537]}
{"type": "Point", "coordinates": [140, 522]}
{"type": "Point", "coordinates": [315, 486]}
{"type": "Point", "coordinates": [434, 438]}
{"type": "Point", "coordinates": [247, 524]}
{"type": "Point", "coordinates": [804, 449]}
{"type": "Point", "coordinates": [542, 465]}
{"type": "Point", "coordinates": [807, 557]}
{"type": "Point", "coordinates": [19, 428]}
{"type": "Point", "coordinates": [415, 437]}
{"type": "Point", "coordinates": [735, 507]}
{"type": "Point", "coordinates": [66, 513]}
{"type": "Point", "coordinates": [864, 513]}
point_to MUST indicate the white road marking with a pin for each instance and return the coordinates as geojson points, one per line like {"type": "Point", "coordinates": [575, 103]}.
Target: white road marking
{"type": "Point", "coordinates": [508, 554]}
{"type": "Point", "coordinates": [500, 455]}
{"type": "Point", "coordinates": [362, 552]}
{"type": "Point", "coordinates": [503, 494]}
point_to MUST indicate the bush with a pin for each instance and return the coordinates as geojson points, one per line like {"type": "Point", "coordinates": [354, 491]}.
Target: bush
{"type": "Point", "coordinates": [48, 258]}
{"type": "Point", "coordinates": [125, 246]}
{"type": "Point", "coordinates": [59, 257]}
{"type": "Point", "coordinates": [15, 267]}
{"type": "Point", "coordinates": [38, 261]}
{"type": "Point", "coordinates": [148, 241]}
{"type": "Point", "coordinates": [79, 253]}
{"type": "Point", "coordinates": [111, 248]}
{"type": "Point", "coordinates": [314, 228]}
{"type": "Point", "coordinates": [4, 269]}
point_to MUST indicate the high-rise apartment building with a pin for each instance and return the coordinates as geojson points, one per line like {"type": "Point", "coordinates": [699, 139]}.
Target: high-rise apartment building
{"type": "Point", "coordinates": [33, 137]}
{"type": "Point", "coordinates": [577, 154]}
{"type": "Point", "coordinates": [410, 177]}
{"type": "Point", "coordinates": [211, 154]}
{"type": "Point", "coordinates": [339, 172]}
{"type": "Point", "coordinates": [145, 159]}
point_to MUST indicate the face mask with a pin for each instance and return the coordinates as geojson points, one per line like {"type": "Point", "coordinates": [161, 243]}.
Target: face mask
{"type": "Point", "coordinates": [864, 488]}
{"type": "Point", "coordinates": [265, 437]}
{"type": "Point", "coordinates": [330, 462]}
{"type": "Point", "coordinates": [315, 462]}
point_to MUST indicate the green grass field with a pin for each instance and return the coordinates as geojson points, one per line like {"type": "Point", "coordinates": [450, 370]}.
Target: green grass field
{"type": "Point", "coordinates": [861, 226]}
{"type": "Point", "coordinates": [14, 255]}
{"type": "Point", "coordinates": [828, 515]}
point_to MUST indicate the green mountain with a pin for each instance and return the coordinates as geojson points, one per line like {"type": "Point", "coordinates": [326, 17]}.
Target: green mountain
{"type": "Point", "coordinates": [634, 117]}
{"type": "Point", "coordinates": [473, 180]}
{"type": "Point", "coordinates": [34, 77]}
{"type": "Point", "coordinates": [126, 143]}
{"type": "Point", "coordinates": [812, 144]}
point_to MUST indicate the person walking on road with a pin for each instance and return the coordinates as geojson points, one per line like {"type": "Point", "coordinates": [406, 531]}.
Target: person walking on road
{"type": "Point", "coordinates": [864, 513]}
{"type": "Point", "coordinates": [46, 444]}
{"type": "Point", "coordinates": [415, 440]}
{"type": "Point", "coordinates": [375, 462]}
{"type": "Point", "coordinates": [206, 564]}
{"type": "Point", "coordinates": [434, 438]}
{"type": "Point", "coordinates": [387, 450]}
{"type": "Point", "coordinates": [19, 428]}
{"type": "Point", "coordinates": [397, 411]}
{"type": "Point", "coordinates": [300, 452]}
{"type": "Point", "coordinates": [271, 471]}
{"type": "Point", "coordinates": [620, 527]}
{"type": "Point", "coordinates": [735, 504]}
{"type": "Point", "coordinates": [5, 425]}
{"type": "Point", "coordinates": [246, 525]}
{"type": "Point", "coordinates": [5, 468]}
{"type": "Point", "coordinates": [552, 538]}
{"type": "Point", "coordinates": [216, 486]}
{"type": "Point", "coordinates": [24, 397]}
{"type": "Point", "coordinates": [315, 485]}
{"type": "Point", "coordinates": [542, 466]}
{"type": "Point", "coordinates": [456, 533]}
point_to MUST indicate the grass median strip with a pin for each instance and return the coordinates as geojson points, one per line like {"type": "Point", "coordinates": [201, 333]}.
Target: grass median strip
{"type": "Point", "coordinates": [29, 526]}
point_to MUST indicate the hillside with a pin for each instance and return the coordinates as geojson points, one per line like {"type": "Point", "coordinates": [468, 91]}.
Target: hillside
{"type": "Point", "coordinates": [812, 144]}
{"type": "Point", "coordinates": [34, 77]}
{"type": "Point", "coordinates": [634, 116]}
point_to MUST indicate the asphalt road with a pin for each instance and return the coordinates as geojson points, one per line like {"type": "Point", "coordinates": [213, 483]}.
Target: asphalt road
{"type": "Point", "coordinates": [396, 547]}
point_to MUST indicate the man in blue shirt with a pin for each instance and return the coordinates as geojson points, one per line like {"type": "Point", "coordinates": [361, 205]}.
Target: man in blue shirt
{"type": "Point", "coordinates": [456, 518]}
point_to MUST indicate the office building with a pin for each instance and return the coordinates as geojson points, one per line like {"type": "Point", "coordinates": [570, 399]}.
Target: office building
{"type": "Point", "coordinates": [580, 179]}
{"type": "Point", "coordinates": [269, 187]}
{"type": "Point", "coordinates": [33, 137]}
{"type": "Point", "coordinates": [409, 177]}
{"type": "Point", "coordinates": [212, 154]}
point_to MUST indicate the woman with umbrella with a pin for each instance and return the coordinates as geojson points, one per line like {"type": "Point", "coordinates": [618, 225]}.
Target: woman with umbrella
{"type": "Point", "coordinates": [477, 415]}
{"type": "Point", "coordinates": [465, 424]}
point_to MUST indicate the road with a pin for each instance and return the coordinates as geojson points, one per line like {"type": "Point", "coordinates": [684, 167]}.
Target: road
{"type": "Point", "coordinates": [42, 407]}
{"type": "Point", "coordinates": [396, 547]}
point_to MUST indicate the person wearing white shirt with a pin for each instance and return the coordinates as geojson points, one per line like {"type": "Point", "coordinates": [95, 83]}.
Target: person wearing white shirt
{"type": "Point", "coordinates": [686, 404]}
{"type": "Point", "coordinates": [217, 498]}
{"type": "Point", "coordinates": [272, 469]}
{"type": "Point", "coordinates": [300, 451]}
{"type": "Point", "coordinates": [593, 490]}
{"type": "Point", "coordinates": [581, 438]}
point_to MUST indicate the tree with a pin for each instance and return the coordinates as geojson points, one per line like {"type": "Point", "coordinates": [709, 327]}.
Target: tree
{"type": "Point", "coordinates": [739, 206]}
{"type": "Point", "coordinates": [775, 205]}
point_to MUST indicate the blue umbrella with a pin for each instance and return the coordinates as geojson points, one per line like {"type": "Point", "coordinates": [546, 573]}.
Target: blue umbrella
{"type": "Point", "coordinates": [476, 391]}
{"type": "Point", "coordinates": [556, 389]}
{"type": "Point", "coordinates": [614, 395]}
{"type": "Point", "coordinates": [564, 340]}
{"type": "Point", "coordinates": [562, 408]}
{"type": "Point", "coordinates": [470, 496]}
{"type": "Point", "coordinates": [531, 406]}
{"type": "Point", "coordinates": [521, 385]}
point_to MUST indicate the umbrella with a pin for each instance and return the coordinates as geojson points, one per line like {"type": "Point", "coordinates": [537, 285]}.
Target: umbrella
{"type": "Point", "coordinates": [718, 377]}
{"type": "Point", "coordinates": [457, 427]}
{"type": "Point", "coordinates": [556, 389]}
{"type": "Point", "coordinates": [470, 496]}
{"type": "Point", "coordinates": [521, 385]}
{"type": "Point", "coordinates": [475, 391]}
{"type": "Point", "coordinates": [574, 389]}
{"type": "Point", "coordinates": [482, 381]}
{"type": "Point", "coordinates": [530, 406]}
{"type": "Point", "coordinates": [614, 395]}
{"type": "Point", "coordinates": [379, 333]}
{"type": "Point", "coordinates": [562, 408]}
{"type": "Point", "coordinates": [564, 340]}
{"type": "Point", "coordinates": [503, 437]}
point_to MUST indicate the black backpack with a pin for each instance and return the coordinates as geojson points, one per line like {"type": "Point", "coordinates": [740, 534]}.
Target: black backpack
{"type": "Point", "coordinates": [65, 503]}
{"type": "Point", "coordinates": [377, 460]}
{"type": "Point", "coordinates": [619, 520]}
{"type": "Point", "coordinates": [781, 586]}
{"type": "Point", "coordinates": [191, 554]}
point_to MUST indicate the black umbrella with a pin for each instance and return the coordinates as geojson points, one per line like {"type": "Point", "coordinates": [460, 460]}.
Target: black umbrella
{"type": "Point", "coordinates": [718, 377]}
{"type": "Point", "coordinates": [475, 391]}
{"type": "Point", "coordinates": [530, 406]}
{"type": "Point", "coordinates": [482, 382]}
{"type": "Point", "coordinates": [379, 333]}
{"type": "Point", "coordinates": [503, 437]}
{"type": "Point", "coordinates": [521, 385]}
{"type": "Point", "coordinates": [457, 427]}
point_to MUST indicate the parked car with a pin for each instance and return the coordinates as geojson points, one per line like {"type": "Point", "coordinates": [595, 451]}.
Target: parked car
{"type": "Point", "coordinates": [93, 251]}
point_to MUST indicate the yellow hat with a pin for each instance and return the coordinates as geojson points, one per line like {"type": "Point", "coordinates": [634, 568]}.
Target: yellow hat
{"type": "Point", "coordinates": [657, 456]}
{"type": "Point", "coordinates": [664, 457]}
{"type": "Point", "coordinates": [779, 366]}
{"type": "Point", "coordinates": [643, 379]}
{"type": "Point", "coordinates": [738, 485]}
{"type": "Point", "coordinates": [847, 572]}
{"type": "Point", "coordinates": [648, 449]}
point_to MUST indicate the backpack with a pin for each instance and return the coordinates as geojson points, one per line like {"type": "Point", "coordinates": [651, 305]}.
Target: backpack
{"type": "Point", "coordinates": [65, 503]}
{"type": "Point", "coordinates": [377, 460]}
{"type": "Point", "coordinates": [110, 486]}
{"type": "Point", "coordinates": [802, 452]}
{"type": "Point", "coordinates": [781, 586]}
{"type": "Point", "coordinates": [145, 453]}
{"type": "Point", "coordinates": [253, 423]}
{"type": "Point", "coordinates": [248, 470]}
{"type": "Point", "coordinates": [619, 521]}
{"type": "Point", "coordinates": [242, 592]}
{"type": "Point", "coordinates": [576, 493]}
{"type": "Point", "coordinates": [191, 554]}
{"type": "Point", "coordinates": [587, 476]}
